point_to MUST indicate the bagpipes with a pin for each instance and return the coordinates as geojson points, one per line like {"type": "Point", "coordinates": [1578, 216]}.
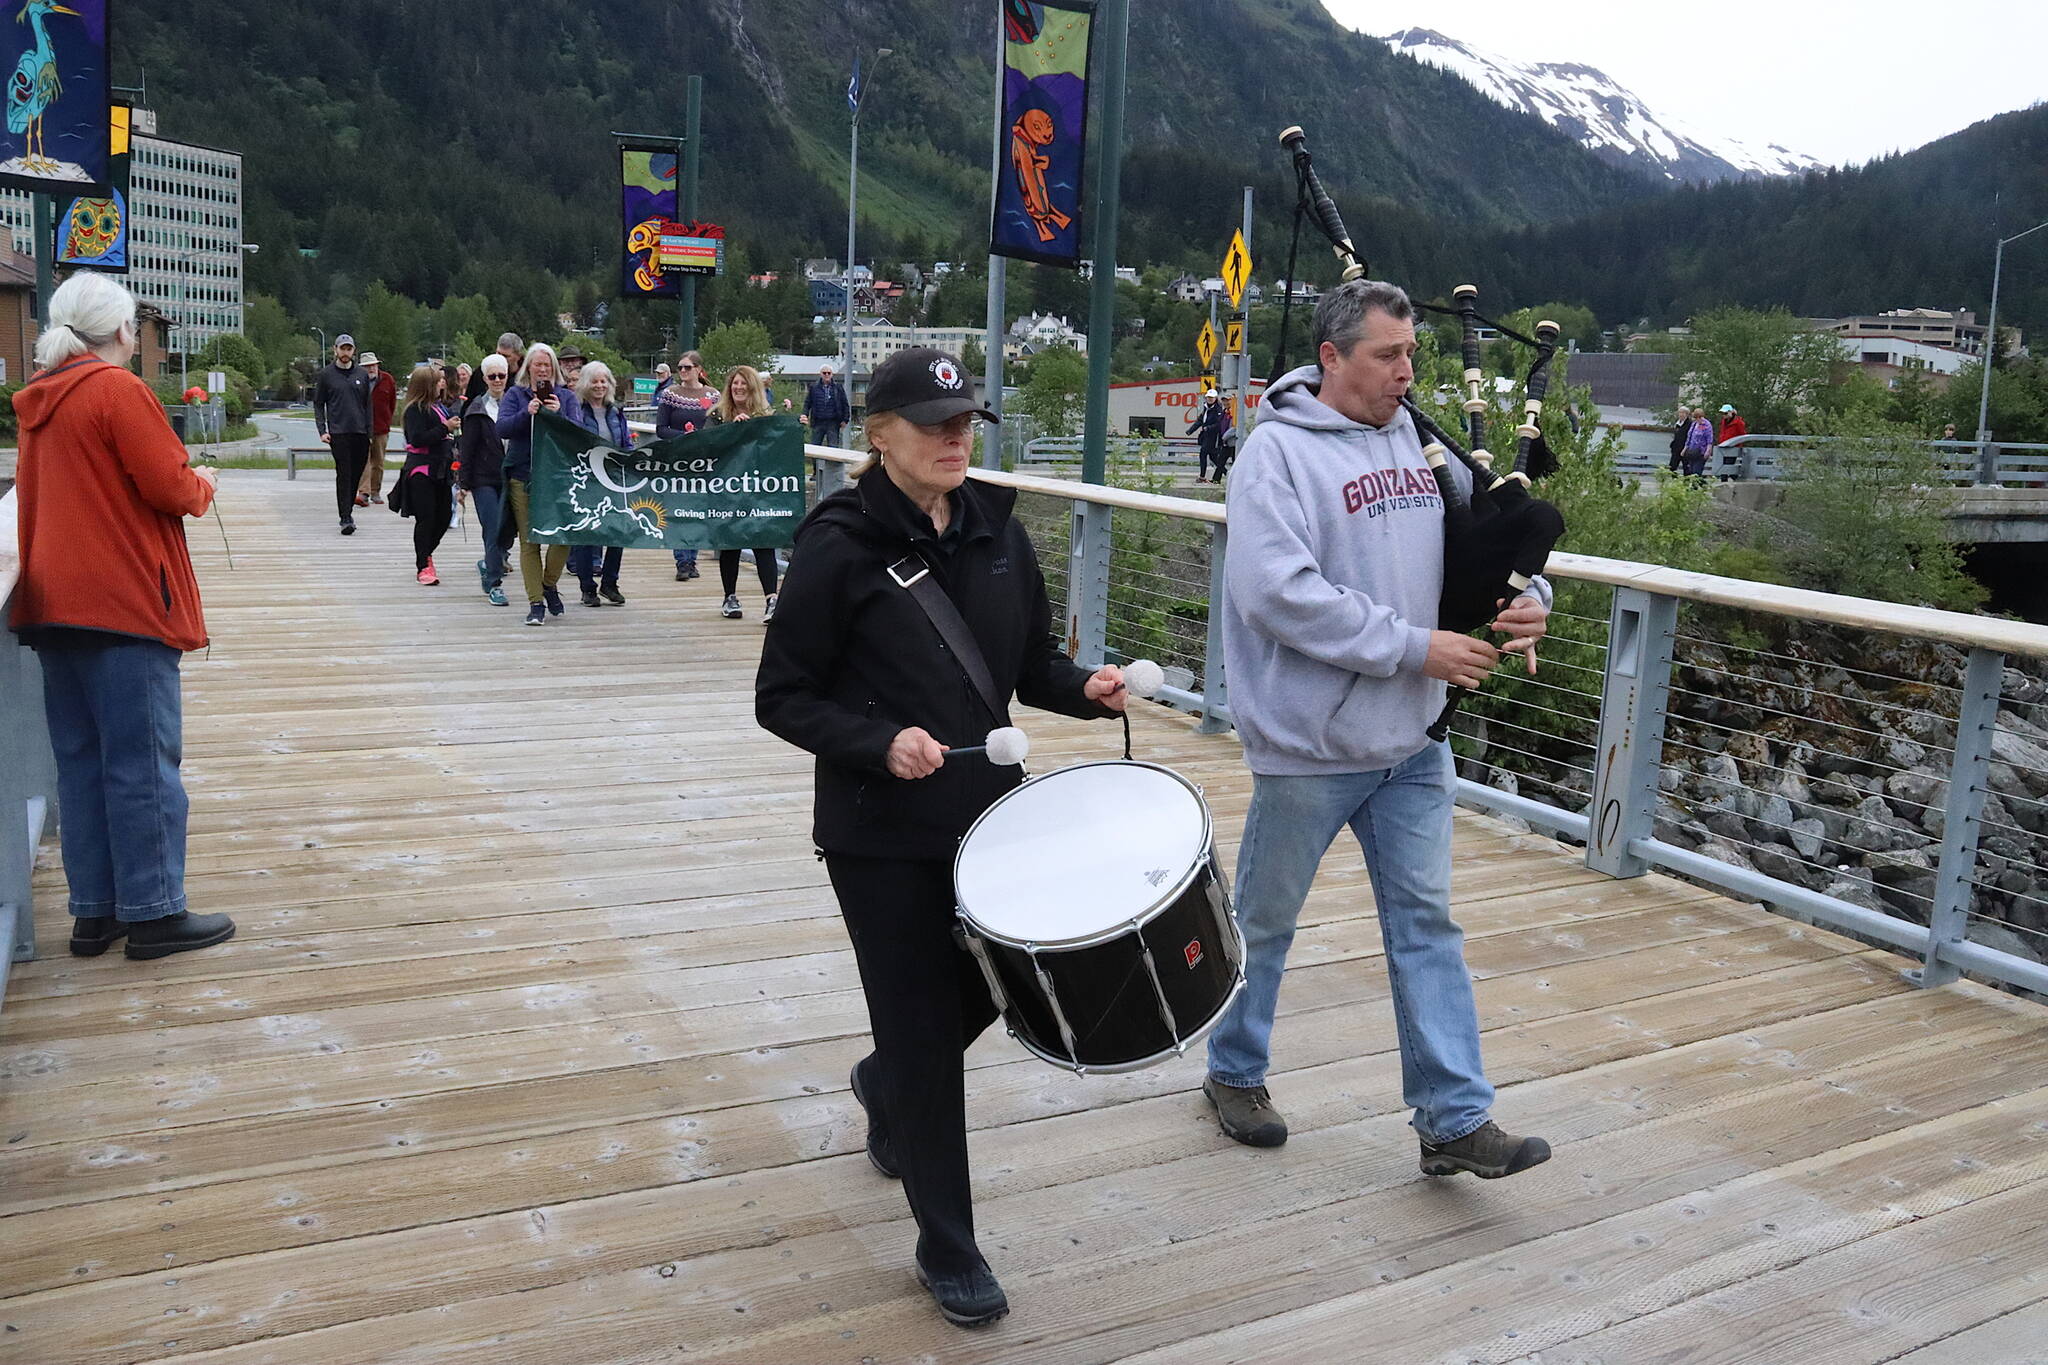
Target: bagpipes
{"type": "Point", "coordinates": [1497, 539]}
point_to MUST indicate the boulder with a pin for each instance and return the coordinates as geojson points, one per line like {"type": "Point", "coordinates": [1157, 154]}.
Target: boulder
{"type": "Point", "coordinates": [1776, 860]}
{"type": "Point", "coordinates": [1855, 890]}
{"type": "Point", "coordinates": [1807, 837]}
{"type": "Point", "coordinates": [2028, 760]}
{"type": "Point", "coordinates": [2004, 940]}
{"type": "Point", "coordinates": [1914, 791]}
{"type": "Point", "coordinates": [1722, 853]}
{"type": "Point", "coordinates": [1902, 753]}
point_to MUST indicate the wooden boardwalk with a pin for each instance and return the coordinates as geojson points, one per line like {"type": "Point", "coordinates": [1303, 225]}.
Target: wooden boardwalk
{"type": "Point", "coordinates": [533, 1048]}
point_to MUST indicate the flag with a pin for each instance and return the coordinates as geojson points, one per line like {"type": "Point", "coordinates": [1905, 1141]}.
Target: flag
{"type": "Point", "coordinates": [1043, 124]}
{"type": "Point", "coordinates": [647, 186]}
{"type": "Point", "coordinates": [853, 87]}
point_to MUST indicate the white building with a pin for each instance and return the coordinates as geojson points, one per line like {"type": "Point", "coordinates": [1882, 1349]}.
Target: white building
{"type": "Point", "coordinates": [875, 342]}
{"type": "Point", "coordinates": [1035, 332]}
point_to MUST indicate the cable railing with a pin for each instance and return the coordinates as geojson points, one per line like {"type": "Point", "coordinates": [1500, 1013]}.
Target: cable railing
{"type": "Point", "coordinates": [27, 773]}
{"type": "Point", "coordinates": [1769, 457]}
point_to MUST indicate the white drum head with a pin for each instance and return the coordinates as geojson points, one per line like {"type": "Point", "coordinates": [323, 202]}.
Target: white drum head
{"type": "Point", "coordinates": [1078, 852]}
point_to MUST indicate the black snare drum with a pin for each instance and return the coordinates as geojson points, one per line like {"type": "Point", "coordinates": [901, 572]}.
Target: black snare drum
{"type": "Point", "coordinates": [1093, 901]}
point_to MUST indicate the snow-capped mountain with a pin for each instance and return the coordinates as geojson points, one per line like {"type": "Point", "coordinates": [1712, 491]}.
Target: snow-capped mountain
{"type": "Point", "coordinates": [1611, 122]}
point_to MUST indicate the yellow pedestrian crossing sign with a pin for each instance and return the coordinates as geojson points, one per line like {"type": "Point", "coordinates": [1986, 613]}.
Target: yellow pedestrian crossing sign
{"type": "Point", "coordinates": [1237, 269]}
{"type": "Point", "coordinates": [1233, 338]}
{"type": "Point", "coordinates": [1205, 344]}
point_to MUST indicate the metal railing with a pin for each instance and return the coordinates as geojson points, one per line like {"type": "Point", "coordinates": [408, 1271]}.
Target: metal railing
{"type": "Point", "coordinates": [1763, 456]}
{"type": "Point", "coordinates": [28, 776]}
{"type": "Point", "coordinates": [1688, 723]}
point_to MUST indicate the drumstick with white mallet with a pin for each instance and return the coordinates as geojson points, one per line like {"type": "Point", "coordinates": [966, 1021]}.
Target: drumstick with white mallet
{"type": "Point", "coordinates": [1007, 747]}
{"type": "Point", "coordinates": [1142, 678]}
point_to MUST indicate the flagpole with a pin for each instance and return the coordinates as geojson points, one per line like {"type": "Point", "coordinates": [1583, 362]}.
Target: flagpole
{"type": "Point", "coordinates": [998, 272]}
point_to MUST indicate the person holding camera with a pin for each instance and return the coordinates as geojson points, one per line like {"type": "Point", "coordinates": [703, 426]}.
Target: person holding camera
{"type": "Point", "coordinates": [533, 393]}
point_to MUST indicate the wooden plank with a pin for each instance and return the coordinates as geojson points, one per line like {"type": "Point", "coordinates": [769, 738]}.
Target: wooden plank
{"type": "Point", "coordinates": [2016, 1338]}
{"type": "Point", "coordinates": [1088, 1243]}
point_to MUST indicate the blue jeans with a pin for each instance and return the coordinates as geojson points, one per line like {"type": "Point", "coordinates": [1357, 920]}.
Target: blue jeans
{"type": "Point", "coordinates": [116, 725]}
{"type": "Point", "coordinates": [686, 559]}
{"type": "Point", "coordinates": [490, 510]}
{"type": "Point", "coordinates": [1402, 819]}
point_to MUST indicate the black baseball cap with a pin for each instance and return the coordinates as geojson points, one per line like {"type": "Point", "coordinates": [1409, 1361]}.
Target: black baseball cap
{"type": "Point", "coordinates": [925, 386]}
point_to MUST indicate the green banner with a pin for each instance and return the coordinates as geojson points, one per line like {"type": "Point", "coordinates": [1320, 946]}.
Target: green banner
{"type": "Point", "coordinates": [729, 487]}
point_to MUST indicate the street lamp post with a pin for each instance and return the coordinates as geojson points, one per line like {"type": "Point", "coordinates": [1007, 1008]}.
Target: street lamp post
{"type": "Point", "coordinates": [852, 193]}
{"type": "Point", "coordinates": [1984, 469]}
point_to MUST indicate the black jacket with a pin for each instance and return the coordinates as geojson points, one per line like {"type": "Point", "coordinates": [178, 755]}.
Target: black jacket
{"type": "Point", "coordinates": [851, 659]}
{"type": "Point", "coordinates": [479, 448]}
{"type": "Point", "coordinates": [341, 401]}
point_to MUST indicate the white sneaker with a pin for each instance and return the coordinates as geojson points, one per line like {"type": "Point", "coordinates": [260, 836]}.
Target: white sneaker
{"type": "Point", "coordinates": [730, 608]}
{"type": "Point", "coordinates": [769, 614]}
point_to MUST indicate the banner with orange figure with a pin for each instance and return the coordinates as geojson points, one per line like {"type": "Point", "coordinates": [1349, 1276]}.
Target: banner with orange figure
{"type": "Point", "coordinates": [1044, 127]}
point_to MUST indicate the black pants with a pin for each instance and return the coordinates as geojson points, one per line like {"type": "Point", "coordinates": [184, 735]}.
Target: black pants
{"type": "Point", "coordinates": [927, 1002]}
{"type": "Point", "coordinates": [595, 564]}
{"type": "Point", "coordinates": [351, 450]}
{"type": "Point", "coordinates": [428, 501]}
{"type": "Point", "coordinates": [729, 570]}
{"type": "Point", "coordinates": [1211, 456]}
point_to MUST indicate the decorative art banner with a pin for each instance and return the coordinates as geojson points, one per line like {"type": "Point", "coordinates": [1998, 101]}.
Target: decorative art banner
{"type": "Point", "coordinates": [728, 487]}
{"type": "Point", "coordinates": [93, 231]}
{"type": "Point", "coordinates": [59, 98]}
{"type": "Point", "coordinates": [1045, 129]}
{"type": "Point", "coordinates": [647, 182]}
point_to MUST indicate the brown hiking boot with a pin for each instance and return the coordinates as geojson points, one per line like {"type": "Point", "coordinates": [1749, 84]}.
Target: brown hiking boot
{"type": "Point", "coordinates": [1246, 1113]}
{"type": "Point", "coordinates": [1486, 1152]}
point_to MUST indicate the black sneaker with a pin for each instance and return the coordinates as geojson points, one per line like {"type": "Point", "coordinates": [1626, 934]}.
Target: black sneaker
{"type": "Point", "coordinates": [1486, 1152]}
{"type": "Point", "coordinates": [92, 935]}
{"type": "Point", "coordinates": [969, 1298]}
{"type": "Point", "coordinates": [180, 933]}
{"type": "Point", "coordinates": [553, 600]}
{"type": "Point", "coordinates": [1246, 1113]}
{"type": "Point", "coordinates": [536, 615]}
{"type": "Point", "coordinates": [682, 576]}
{"type": "Point", "coordinates": [348, 526]}
{"type": "Point", "coordinates": [690, 571]}
{"type": "Point", "coordinates": [881, 1153]}
{"type": "Point", "coordinates": [590, 597]}
{"type": "Point", "coordinates": [610, 593]}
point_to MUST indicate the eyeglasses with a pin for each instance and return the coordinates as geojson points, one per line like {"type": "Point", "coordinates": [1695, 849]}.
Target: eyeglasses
{"type": "Point", "coordinates": [963, 425]}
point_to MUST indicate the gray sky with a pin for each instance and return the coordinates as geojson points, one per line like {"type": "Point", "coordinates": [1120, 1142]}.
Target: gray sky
{"type": "Point", "coordinates": [1842, 82]}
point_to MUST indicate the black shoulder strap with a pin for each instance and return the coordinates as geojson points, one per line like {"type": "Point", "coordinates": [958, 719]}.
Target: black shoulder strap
{"type": "Point", "coordinates": [914, 576]}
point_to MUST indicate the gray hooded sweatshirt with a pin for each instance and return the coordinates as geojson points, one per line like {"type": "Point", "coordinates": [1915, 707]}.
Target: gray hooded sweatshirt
{"type": "Point", "coordinates": [1335, 564]}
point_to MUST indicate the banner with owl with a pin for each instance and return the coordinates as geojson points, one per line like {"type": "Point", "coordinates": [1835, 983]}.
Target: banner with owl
{"type": "Point", "coordinates": [647, 178]}
{"type": "Point", "coordinates": [1044, 128]}
{"type": "Point", "coordinates": [92, 230]}
{"type": "Point", "coordinates": [58, 96]}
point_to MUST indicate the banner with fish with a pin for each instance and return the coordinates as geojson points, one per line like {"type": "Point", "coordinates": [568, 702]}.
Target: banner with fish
{"type": "Point", "coordinates": [59, 98]}
{"type": "Point", "coordinates": [92, 230]}
{"type": "Point", "coordinates": [647, 181]}
{"type": "Point", "coordinates": [1044, 127]}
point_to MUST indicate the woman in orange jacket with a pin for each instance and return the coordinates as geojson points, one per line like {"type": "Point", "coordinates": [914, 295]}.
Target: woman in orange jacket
{"type": "Point", "coordinates": [108, 601]}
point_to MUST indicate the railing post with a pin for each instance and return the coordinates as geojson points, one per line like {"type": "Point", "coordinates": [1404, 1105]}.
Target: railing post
{"type": "Point", "coordinates": [1088, 584]}
{"type": "Point", "coordinates": [1215, 689]}
{"type": "Point", "coordinates": [1962, 815]}
{"type": "Point", "coordinates": [1987, 463]}
{"type": "Point", "coordinates": [1640, 632]}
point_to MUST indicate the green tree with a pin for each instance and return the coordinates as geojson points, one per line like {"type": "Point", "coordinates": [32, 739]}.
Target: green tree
{"type": "Point", "coordinates": [1771, 366]}
{"type": "Point", "coordinates": [1056, 393]}
{"type": "Point", "coordinates": [1875, 507]}
{"type": "Point", "coordinates": [388, 324]}
{"type": "Point", "coordinates": [745, 342]}
{"type": "Point", "coordinates": [275, 331]}
{"type": "Point", "coordinates": [974, 359]}
{"type": "Point", "coordinates": [232, 350]}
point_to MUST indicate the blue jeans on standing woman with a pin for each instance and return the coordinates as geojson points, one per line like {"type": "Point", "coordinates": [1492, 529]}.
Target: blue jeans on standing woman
{"type": "Point", "coordinates": [117, 727]}
{"type": "Point", "coordinates": [1401, 817]}
{"type": "Point", "coordinates": [490, 508]}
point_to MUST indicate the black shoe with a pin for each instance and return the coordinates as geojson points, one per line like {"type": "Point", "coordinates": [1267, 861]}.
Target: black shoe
{"type": "Point", "coordinates": [92, 935]}
{"type": "Point", "coordinates": [610, 593]}
{"type": "Point", "coordinates": [553, 600]}
{"type": "Point", "coordinates": [590, 597]}
{"type": "Point", "coordinates": [536, 615]}
{"type": "Point", "coordinates": [881, 1154]}
{"type": "Point", "coordinates": [179, 933]}
{"type": "Point", "coordinates": [1246, 1113]}
{"type": "Point", "coordinates": [969, 1298]}
{"type": "Point", "coordinates": [691, 570]}
{"type": "Point", "coordinates": [348, 526]}
{"type": "Point", "coordinates": [682, 576]}
{"type": "Point", "coordinates": [1486, 1152]}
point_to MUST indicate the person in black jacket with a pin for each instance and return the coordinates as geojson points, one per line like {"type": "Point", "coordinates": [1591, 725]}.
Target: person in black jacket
{"type": "Point", "coordinates": [425, 490]}
{"type": "Point", "coordinates": [480, 457]}
{"type": "Point", "coordinates": [341, 412]}
{"type": "Point", "coordinates": [854, 671]}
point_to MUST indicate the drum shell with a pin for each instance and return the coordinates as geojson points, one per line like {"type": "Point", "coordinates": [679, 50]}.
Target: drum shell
{"type": "Point", "coordinates": [1106, 989]}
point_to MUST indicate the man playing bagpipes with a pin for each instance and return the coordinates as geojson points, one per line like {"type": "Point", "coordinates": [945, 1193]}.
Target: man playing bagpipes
{"type": "Point", "coordinates": [1337, 672]}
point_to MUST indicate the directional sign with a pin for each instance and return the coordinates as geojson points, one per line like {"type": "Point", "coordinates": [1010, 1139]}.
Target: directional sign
{"type": "Point", "coordinates": [1205, 344]}
{"type": "Point", "coordinates": [1233, 338]}
{"type": "Point", "coordinates": [1237, 269]}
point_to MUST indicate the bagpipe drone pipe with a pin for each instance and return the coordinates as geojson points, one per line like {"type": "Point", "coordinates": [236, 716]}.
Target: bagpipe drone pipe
{"type": "Point", "coordinates": [1497, 539]}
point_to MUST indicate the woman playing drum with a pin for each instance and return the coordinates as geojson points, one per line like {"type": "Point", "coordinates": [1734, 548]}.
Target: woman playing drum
{"type": "Point", "coordinates": [854, 670]}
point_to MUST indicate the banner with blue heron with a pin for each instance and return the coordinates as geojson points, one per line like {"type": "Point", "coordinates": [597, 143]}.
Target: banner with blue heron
{"type": "Point", "coordinates": [59, 98]}
{"type": "Point", "coordinates": [1044, 127]}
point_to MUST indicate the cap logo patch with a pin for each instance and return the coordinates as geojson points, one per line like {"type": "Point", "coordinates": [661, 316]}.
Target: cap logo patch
{"type": "Point", "coordinates": [945, 372]}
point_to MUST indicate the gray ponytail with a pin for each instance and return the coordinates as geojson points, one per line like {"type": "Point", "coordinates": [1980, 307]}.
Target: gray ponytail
{"type": "Point", "coordinates": [88, 311]}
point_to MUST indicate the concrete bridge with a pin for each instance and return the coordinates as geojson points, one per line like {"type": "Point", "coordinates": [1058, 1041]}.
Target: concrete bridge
{"type": "Point", "coordinates": [533, 1048]}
